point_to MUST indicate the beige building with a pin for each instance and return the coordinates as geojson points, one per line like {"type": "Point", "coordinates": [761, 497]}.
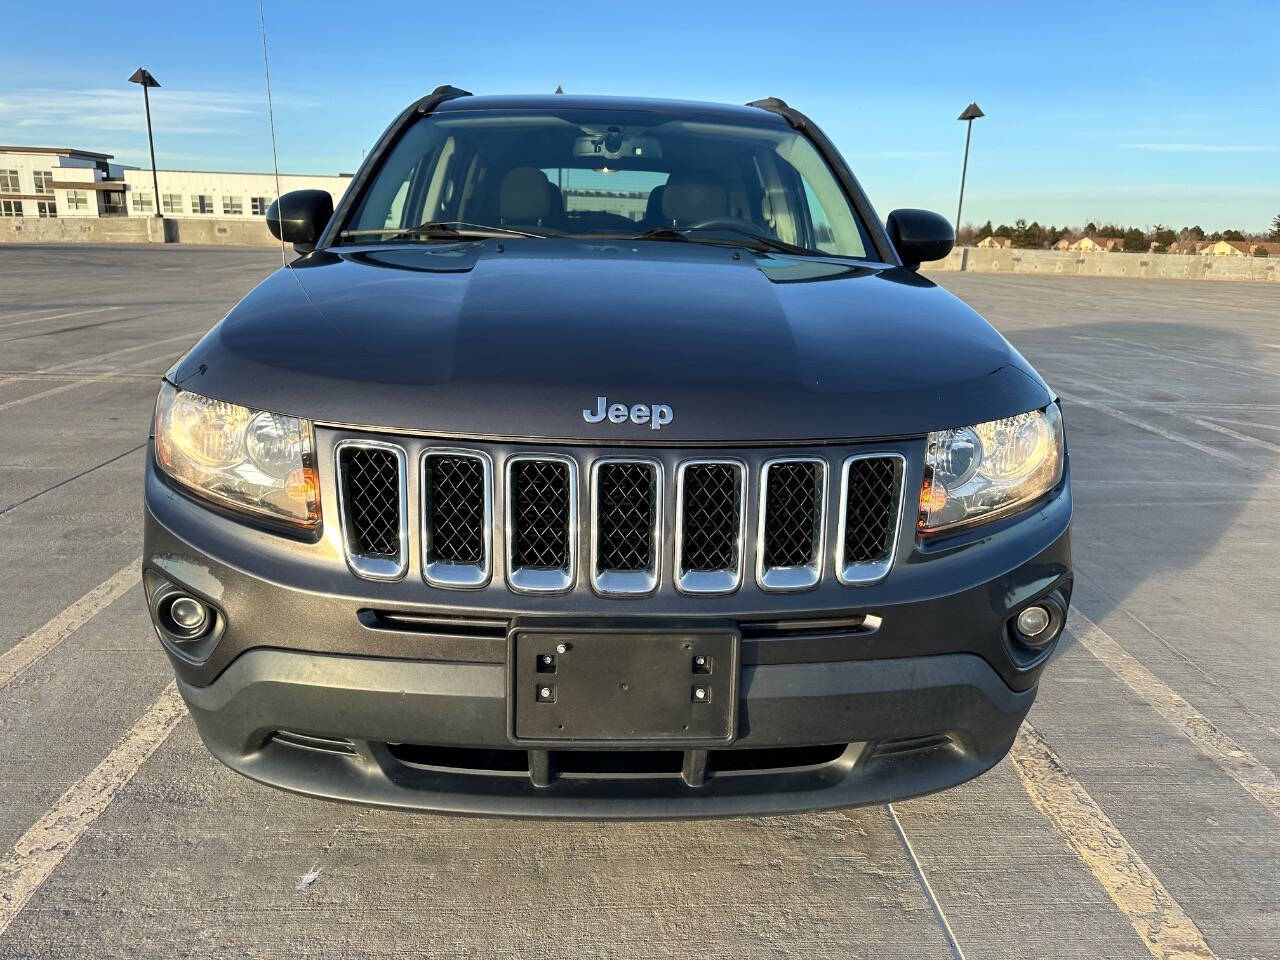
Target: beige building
{"type": "Point", "coordinates": [987, 243]}
{"type": "Point", "coordinates": [201, 193]}
{"type": "Point", "coordinates": [64, 182]}
{"type": "Point", "coordinates": [59, 182]}
{"type": "Point", "coordinates": [1097, 244]}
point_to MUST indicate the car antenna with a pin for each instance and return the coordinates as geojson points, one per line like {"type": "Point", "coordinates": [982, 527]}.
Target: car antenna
{"type": "Point", "coordinates": [271, 122]}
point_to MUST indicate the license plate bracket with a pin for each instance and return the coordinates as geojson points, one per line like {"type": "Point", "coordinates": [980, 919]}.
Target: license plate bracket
{"type": "Point", "coordinates": [631, 688]}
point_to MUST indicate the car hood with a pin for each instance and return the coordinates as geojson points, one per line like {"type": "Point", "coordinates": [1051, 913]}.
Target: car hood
{"type": "Point", "coordinates": [518, 338]}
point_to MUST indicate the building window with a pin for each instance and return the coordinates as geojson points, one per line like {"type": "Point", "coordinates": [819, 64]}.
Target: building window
{"type": "Point", "coordinates": [142, 202]}
{"type": "Point", "coordinates": [9, 181]}
{"type": "Point", "coordinates": [201, 203]}
{"type": "Point", "coordinates": [172, 202]}
{"type": "Point", "coordinates": [77, 199]}
{"type": "Point", "coordinates": [233, 206]}
{"type": "Point", "coordinates": [258, 206]}
{"type": "Point", "coordinates": [10, 208]}
{"type": "Point", "coordinates": [47, 209]}
{"type": "Point", "coordinates": [44, 181]}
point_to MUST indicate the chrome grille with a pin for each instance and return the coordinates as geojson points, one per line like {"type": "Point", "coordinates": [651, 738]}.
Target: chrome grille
{"type": "Point", "coordinates": [710, 520]}
{"type": "Point", "coordinates": [870, 515]}
{"type": "Point", "coordinates": [373, 505]}
{"type": "Point", "coordinates": [456, 517]}
{"type": "Point", "coordinates": [794, 545]}
{"type": "Point", "coordinates": [626, 513]}
{"type": "Point", "coordinates": [793, 495]}
{"type": "Point", "coordinates": [542, 506]}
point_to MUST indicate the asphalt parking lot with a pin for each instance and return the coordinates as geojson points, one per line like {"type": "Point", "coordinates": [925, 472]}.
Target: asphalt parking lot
{"type": "Point", "coordinates": [1138, 815]}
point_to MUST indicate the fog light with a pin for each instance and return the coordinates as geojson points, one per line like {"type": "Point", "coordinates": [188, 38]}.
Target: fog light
{"type": "Point", "coordinates": [1034, 621]}
{"type": "Point", "coordinates": [188, 613]}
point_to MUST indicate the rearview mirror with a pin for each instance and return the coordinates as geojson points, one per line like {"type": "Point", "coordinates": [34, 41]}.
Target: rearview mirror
{"type": "Point", "coordinates": [299, 217]}
{"type": "Point", "coordinates": [920, 236]}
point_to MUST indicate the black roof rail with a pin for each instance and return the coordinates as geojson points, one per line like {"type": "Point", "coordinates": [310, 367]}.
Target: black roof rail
{"type": "Point", "coordinates": [779, 106]}
{"type": "Point", "coordinates": [438, 96]}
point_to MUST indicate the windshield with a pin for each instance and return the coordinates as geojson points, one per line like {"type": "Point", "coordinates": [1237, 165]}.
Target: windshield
{"type": "Point", "coordinates": [606, 173]}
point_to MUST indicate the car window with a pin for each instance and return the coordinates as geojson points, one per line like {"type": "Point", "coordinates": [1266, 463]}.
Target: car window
{"type": "Point", "coordinates": [606, 173]}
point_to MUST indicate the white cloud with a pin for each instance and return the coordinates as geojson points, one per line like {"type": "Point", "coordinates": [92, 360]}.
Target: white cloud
{"type": "Point", "coordinates": [94, 110]}
{"type": "Point", "coordinates": [1204, 147]}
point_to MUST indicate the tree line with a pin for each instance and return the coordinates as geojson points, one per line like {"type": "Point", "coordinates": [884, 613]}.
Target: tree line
{"type": "Point", "coordinates": [1133, 239]}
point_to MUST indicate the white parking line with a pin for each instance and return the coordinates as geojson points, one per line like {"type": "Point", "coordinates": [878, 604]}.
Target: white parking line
{"type": "Point", "coordinates": [81, 382]}
{"type": "Point", "coordinates": [39, 851]}
{"type": "Point", "coordinates": [17, 659]}
{"type": "Point", "coordinates": [58, 316]}
{"type": "Point", "coordinates": [1158, 431]}
{"type": "Point", "coordinates": [1172, 411]}
{"type": "Point", "coordinates": [114, 353]}
{"type": "Point", "coordinates": [1152, 911]}
{"type": "Point", "coordinates": [1239, 764]}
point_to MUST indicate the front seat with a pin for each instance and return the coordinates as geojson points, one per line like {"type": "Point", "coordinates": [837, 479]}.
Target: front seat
{"type": "Point", "coordinates": [693, 198]}
{"type": "Point", "coordinates": [524, 199]}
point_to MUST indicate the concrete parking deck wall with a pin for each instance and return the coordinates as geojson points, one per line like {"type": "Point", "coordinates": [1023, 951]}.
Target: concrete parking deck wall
{"type": "Point", "coordinates": [242, 232]}
{"type": "Point", "coordinates": [213, 230]}
{"type": "Point", "coordinates": [1070, 262]}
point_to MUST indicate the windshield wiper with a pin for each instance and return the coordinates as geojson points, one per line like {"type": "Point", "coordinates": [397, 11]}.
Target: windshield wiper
{"type": "Point", "coordinates": [443, 230]}
{"type": "Point", "coordinates": [759, 241]}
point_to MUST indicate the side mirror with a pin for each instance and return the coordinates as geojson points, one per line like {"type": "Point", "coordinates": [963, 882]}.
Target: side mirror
{"type": "Point", "coordinates": [299, 217]}
{"type": "Point", "coordinates": [920, 236]}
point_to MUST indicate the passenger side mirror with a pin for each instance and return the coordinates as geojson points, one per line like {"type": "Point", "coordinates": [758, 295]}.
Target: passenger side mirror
{"type": "Point", "coordinates": [920, 236]}
{"type": "Point", "coordinates": [299, 217]}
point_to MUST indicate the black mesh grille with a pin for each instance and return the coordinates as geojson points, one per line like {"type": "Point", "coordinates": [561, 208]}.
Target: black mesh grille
{"type": "Point", "coordinates": [712, 508]}
{"type": "Point", "coordinates": [625, 505]}
{"type": "Point", "coordinates": [874, 486]}
{"type": "Point", "coordinates": [540, 513]}
{"type": "Point", "coordinates": [792, 509]}
{"type": "Point", "coordinates": [455, 509]}
{"type": "Point", "coordinates": [371, 492]}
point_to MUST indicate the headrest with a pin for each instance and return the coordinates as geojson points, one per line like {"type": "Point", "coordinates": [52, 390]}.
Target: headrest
{"type": "Point", "coordinates": [525, 196]}
{"type": "Point", "coordinates": [689, 199]}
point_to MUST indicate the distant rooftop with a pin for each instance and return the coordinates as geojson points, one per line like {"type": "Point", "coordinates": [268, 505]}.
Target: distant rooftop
{"type": "Point", "coordinates": [59, 152]}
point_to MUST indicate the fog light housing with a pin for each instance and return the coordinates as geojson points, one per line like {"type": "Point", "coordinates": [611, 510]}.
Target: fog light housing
{"type": "Point", "coordinates": [1037, 625]}
{"type": "Point", "coordinates": [188, 625]}
{"type": "Point", "coordinates": [1033, 621]}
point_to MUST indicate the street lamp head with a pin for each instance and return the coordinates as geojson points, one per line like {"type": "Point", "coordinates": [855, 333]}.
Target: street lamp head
{"type": "Point", "coordinates": [144, 77]}
{"type": "Point", "coordinates": [971, 112]}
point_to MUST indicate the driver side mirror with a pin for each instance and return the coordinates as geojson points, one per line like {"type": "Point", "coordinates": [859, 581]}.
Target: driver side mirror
{"type": "Point", "coordinates": [299, 217]}
{"type": "Point", "coordinates": [920, 236]}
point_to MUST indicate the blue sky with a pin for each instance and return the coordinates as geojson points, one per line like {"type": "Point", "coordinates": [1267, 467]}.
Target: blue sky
{"type": "Point", "coordinates": [1138, 113]}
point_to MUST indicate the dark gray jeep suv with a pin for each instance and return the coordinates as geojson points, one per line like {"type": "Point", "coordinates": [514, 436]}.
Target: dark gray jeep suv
{"type": "Point", "coordinates": [606, 458]}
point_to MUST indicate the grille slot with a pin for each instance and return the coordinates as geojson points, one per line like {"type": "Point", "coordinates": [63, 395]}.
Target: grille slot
{"type": "Point", "coordinates": [793, 497]}
{"type": "Point", "coordinates": [870, 515]}
{"type": "Point", "coordinates": [625, 533]}
{"type": "Point", "coordinates": [542, 527]}
{"type": "Point", "coordinates": [456, 517]}
{"type": "Point", "coordinates": [373, 507]}
{"type": "Point", "coordinates": [709, 525]}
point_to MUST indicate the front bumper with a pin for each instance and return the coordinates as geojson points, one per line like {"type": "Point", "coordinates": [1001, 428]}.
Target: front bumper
{"type": "Point", "coordinates": [395, 694]}
{"type": "Point", "coordinates": [920, 726]}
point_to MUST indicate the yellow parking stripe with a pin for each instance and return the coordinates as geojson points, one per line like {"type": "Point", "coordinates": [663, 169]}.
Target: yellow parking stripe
{"type": "Point", "coordinates": [1156, 917]}
{"type": "Point", "coordinates": [1239, 764]}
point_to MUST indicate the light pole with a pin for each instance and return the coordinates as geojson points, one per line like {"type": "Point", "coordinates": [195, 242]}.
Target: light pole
{"type": "Point", "coordinates": [146, 80]}
{"type": "Point", "coordinates": [971, 113]}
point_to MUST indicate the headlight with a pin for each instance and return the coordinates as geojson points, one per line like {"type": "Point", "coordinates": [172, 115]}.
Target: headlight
{"type": "Point", "coordinates": [251, 460]}
{"type": "Point", "coordinates": [990, 469]}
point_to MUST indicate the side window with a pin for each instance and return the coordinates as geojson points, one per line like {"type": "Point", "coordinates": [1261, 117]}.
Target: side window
{"type": "Point", "coordinates": [823, 235]}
